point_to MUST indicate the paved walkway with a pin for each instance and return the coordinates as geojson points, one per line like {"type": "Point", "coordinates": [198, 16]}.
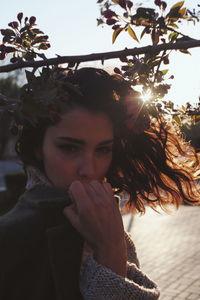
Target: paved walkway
{"type": "Point", "coordinates": [168, 248]}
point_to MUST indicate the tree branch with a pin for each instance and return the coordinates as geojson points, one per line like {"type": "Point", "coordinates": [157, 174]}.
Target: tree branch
{"type": "Point", "coordinates": [192, 43]}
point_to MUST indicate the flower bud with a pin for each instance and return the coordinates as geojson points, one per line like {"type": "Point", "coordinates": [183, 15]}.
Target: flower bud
{"type": "Point", "coordinates": [117, 71]}
{"type": "Point", "coordinates": [111, 21]}
{"type": "Point", "coordinates": [123, 59]}
{"type": "Point", "coordinates": [13, 24]}
{"type": "Point", "coordinates": [122, 3]}
{"type": "Point", "coordinates": [9, 49]}
{"type": "Point", "coordinates": [109, 13]}
{"type": "Point", "coordinates": [2, 47]}
{"type": "Point", "coordinates": [3, 31]}
{"type": "Point", "coordinates": [164, 5]}
{"type": "Point", "coordinates": [14, 60]}
{"type": "Point", "coordinates": [129, 4]}
{"type": "Point", "coordinates": [20, 16]}
{"type": "Point", "coordinates": [2, 55]}
{"type": "Point", "coordinates": [157, 2]}
{"type": "Point", "coordinates": [115, 27]}
{"type": "Point", "coordinates": [125, 68]}
{"type": "Point", "coordinates": [32, 20]}
{"type": "Point", "coordinates": [19, 40]}
{"type": "Point", "coordinates": [166, 60]}
{"type": "Point", "coordinates": [6, 39]}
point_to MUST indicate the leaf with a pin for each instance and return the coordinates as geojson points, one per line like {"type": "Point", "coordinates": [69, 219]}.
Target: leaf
{"type": "Point", "coordinates": [173, 25]}
{"type": "Point", "coordinates": [132, 33]}
{"type": "Point", "coordinates": [26, 44]}
{"type": "Point", "coordinates": [197, 118]}
{"type": "Point", "coordinates": [178, 4]}
{"type": "Point", "coordinates": [116, 32]}
{"type": "Point", "coordinates": [177, 119]}
{"type": "Point", "coordinates": [29, 56]}
{"type": "Point", "coordinates": [185, 51]}
{"type": "Point", "coordinates": [173, 36]}
{"type": "Point", "coordinates": [26, 27]}
{"type": "Point", "coordinates": [40, 39]}
{"type": "Point", "coordinates": [115, 1]}
{"type": "Point", "coordinates": [182, 11]}
{"type": "Point", "coordinates": [43, 46]}
{"type": "Point", "coordinates": [37, 31]}
{"type": "Point", "coordinates": [143, 33]}
{"type": "Point", "coordinates": [155, 36]}
{"type": "Point", "coordinates": [183, 108]}
{"type": "Point", "coordinates": [99, 22]}
{"type": "Point", "coordinates": [145, 30]}
{"type": "Point", "coordinates": [164, 71]}
{"type": "Point", "coordinates": [7, 32]}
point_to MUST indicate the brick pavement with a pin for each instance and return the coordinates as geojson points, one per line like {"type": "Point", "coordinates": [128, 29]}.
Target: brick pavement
{"type": "Point", "coordinates": [168, 248]}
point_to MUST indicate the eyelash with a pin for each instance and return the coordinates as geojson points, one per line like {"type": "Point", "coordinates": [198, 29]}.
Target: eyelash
{"type": "Point", "coordinates": [71, 149]}
{"type": "Point", "coordinates": [104, 150]}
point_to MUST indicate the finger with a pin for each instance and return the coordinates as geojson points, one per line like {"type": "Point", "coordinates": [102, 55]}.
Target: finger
{"type": "Point", "coordinates": [78, 194]}
{"type": "Point", "coordinates": [90, 190]}
{"type": "Point", "coordinates": [108, 188]}
{"type": "Point", "coordinates": [97, 187]}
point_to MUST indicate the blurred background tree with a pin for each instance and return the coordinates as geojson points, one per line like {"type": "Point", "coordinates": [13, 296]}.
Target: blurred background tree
{"type": "Point", "coordinates": [10, 87]}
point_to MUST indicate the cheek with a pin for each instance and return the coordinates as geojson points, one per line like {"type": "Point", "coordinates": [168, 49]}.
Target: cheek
{"type": "Point", "coordinates": [104, 165]}
{"type": "Point", "coordinates": [60, 172]}
{"type": "Point", "coordinates": [57, 167]}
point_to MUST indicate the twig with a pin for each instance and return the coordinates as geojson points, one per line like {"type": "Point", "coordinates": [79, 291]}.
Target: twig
{"type": "Point", "coordinates": [101, 56]}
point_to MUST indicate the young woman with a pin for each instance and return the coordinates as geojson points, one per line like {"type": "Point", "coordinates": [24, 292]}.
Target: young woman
{"type": "Point", "coordinates": [84, 138]}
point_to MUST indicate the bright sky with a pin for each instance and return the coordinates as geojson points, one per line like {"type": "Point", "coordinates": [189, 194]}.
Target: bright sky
{"type": "Point", "coordinates": [72, 29]}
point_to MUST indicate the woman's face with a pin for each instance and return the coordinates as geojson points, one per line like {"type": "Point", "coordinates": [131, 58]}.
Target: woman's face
{"type": "Point", "coordinates": [79, 147]}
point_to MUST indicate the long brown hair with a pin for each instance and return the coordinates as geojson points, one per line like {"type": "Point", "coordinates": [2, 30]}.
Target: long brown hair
{"type": "Point", "coordinates": [147, 165]}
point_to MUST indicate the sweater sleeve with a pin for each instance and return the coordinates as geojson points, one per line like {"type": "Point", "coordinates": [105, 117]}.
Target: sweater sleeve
{"type": "Point", "coordinates": [100, 283]}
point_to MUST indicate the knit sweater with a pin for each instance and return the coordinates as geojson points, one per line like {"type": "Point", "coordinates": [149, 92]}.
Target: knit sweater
{"type": "Point", "coordinates": [97, 282]}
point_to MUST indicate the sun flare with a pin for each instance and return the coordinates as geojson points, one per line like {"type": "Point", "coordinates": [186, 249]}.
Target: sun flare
{"type": "Point", "coordinates": [146, 96]}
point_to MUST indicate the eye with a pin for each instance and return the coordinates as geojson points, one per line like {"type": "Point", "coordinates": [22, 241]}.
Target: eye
{"type": "Point", "coordinates": [71, 149]}
{"type": "Point", "coordinates": [104, 150]}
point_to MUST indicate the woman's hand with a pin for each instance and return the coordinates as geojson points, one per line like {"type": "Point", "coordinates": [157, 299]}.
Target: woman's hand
{"type": "Point", "coordinates": [95, 214]}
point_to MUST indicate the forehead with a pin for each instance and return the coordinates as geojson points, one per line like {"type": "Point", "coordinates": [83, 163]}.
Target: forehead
{"type": "Point", "coordinates": [82, 124]}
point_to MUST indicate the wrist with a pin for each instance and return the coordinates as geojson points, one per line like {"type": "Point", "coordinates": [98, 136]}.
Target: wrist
{"type": "Point", "coordinates": [114, 258]}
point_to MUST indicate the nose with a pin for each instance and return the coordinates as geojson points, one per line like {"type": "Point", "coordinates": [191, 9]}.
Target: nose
{"type": "Point", "coordinates": [87, 169]}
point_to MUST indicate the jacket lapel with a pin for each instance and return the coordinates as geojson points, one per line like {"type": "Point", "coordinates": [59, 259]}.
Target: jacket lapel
{"type": "Point", "coordinates": [65, 245]}
{"type": "Point", "coordinates": [65, 252]}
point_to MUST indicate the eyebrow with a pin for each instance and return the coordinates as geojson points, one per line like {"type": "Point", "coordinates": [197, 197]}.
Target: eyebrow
{"type": "Point", "coordinates": [81, 142]}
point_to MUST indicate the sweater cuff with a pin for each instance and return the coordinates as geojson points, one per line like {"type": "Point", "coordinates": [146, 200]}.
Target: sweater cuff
{"type": "Point", "coordinates": [100, 283]}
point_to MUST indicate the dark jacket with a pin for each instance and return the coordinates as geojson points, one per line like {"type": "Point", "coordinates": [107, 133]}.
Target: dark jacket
{"type": "Point", "coordinates": [40, 252]}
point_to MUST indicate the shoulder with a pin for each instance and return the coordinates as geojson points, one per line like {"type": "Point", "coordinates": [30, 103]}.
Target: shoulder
{"type": "Point", "coordinates": [19, 227]}
{"type": "Point", "coordinates": [33, 206]}
{"type": "Point", "coordinates": [23, 229]}
{"type": "Point", "coordinates": [35, 211]}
